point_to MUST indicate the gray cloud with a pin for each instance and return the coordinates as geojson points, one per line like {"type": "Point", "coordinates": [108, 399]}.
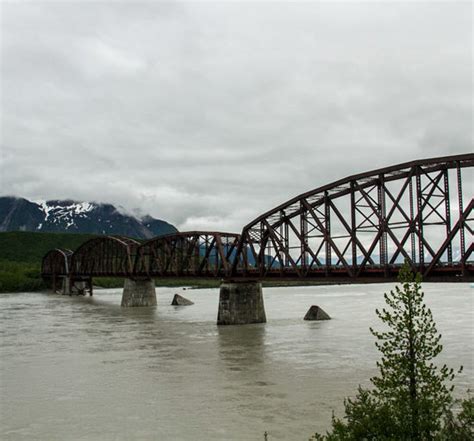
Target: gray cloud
{"type": "Point", "coordinates": [207, 114]}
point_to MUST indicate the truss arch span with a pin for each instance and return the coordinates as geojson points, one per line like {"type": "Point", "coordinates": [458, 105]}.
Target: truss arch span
{"type": "Point", "coordinates": [105, 256]}
{"type": "Point", "coordinates": [367, 224]}
{"type": "Point", "coordinates": [56, 262]}
{"type": "Point", "coordinates": [187, 254]}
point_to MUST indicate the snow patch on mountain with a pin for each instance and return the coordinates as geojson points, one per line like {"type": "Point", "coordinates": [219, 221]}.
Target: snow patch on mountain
{"type": "Point", "coordinates": [64, 212]}
{"type": "Point", "coordinates": [18, 214]}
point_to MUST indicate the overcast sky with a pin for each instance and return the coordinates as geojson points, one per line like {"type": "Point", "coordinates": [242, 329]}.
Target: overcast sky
{"type": "Point", "coordinates": [208, 114]}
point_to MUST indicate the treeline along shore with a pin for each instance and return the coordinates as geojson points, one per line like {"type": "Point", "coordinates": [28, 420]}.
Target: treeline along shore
{"type": "Point", "coordinates": [21, 254]}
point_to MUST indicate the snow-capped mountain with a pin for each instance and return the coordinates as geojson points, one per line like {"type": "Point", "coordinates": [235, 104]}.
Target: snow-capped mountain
{"type": "Point", "coordinates": [66, 216]}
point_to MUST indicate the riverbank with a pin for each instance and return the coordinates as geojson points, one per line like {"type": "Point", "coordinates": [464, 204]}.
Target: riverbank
{"type": "Point", "coordinates": [26, 277]}
{"type": "Point", "coordinates": [21, 254]}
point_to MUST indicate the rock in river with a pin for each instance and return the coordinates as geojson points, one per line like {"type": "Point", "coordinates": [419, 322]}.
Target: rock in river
{"type": "Point", "coordinates": [316, 313]}
{"type": "Point", "coordinates": [181, 301]}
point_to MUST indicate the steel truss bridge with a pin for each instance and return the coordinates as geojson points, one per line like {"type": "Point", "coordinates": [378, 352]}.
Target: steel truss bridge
{"type": "Point", "coordinates": [360, 228]}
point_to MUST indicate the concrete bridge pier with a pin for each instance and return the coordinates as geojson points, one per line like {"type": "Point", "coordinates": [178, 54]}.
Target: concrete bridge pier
{"type": "Point", "coordinates": [81, 287]}
{"type": "Point", "coordinates": [241, 303]}
{"type": "Point", "coordinates": [63, 287]}
{"type": "Point", "coordinates": [68, 286]}
{"type": "Point", "coordinates": [139, 292]}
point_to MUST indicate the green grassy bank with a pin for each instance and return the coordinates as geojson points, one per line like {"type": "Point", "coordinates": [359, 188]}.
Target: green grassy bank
{"type": "Point", "coordinates": [21, 254]}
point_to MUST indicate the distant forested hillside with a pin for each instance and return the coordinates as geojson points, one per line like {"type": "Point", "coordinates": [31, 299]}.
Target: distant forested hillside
{"type": "Point", "coordinates": [21, 254]}
{"type": "Point", "coordinates": [31, 247]}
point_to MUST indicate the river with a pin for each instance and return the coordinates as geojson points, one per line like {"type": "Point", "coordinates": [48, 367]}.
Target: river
{"type": "Point", "coordinates": [75, 368]}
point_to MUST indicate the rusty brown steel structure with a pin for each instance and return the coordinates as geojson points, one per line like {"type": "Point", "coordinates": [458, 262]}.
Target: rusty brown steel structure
{"type": "Point", "coordinates": [55, 265]}
{"type": "Point", "coordinates": [57, 261]}
{"type": "Point", "coordinates": [187, 254]}
{"type": "Point", "coordinates": [360, 227]}
{"type": "Point", "coordinates": [105, 256]}
{"type": "Point", "coordinates": [365, 225]}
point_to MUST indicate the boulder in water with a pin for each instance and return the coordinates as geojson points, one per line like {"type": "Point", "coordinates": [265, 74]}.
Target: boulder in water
{"type": "Point", "coordinates": [316, 313]}
{"type": "Point", "coordinates": [181, 301]}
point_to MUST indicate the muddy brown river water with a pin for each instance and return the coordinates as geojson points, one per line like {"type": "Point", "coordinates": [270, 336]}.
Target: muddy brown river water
{"type": "Point", "coordinates": [86, 369]}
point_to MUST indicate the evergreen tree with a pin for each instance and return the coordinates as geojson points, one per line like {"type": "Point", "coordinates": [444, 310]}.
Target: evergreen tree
{"type": "Point", "coordinates": [459, 427]}
{"type": "Point", "coordinates": [410, 398]}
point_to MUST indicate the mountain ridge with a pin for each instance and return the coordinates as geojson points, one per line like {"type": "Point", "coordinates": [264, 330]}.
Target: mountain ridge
{"type": "Point", "coordinates": [70, 216]}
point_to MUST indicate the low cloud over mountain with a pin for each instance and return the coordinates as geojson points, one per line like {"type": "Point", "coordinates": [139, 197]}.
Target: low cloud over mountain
{"type": "Point", "coordinates": [59, 216]}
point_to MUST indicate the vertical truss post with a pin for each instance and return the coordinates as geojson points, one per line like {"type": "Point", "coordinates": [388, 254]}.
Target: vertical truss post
{"type": "Point", "coordinates": [461, 211]}
{"type": "Point", "coordinates": [447, 214]}
{"type": "Point", "coordinates": [269, 251]}
{"type": "Point", "coordinates": [353, 229]}
{"type": "Point", "coordinates": [169, 253]}
{"type": "Point", "coordinates": [217, 258]}
{"type": "Point", "coordinates": [279, 252]}
{"type": "Point", "coordinates": [327, 226]}
{"type": "Point", "coordinates": [419, 202]}
{"type": "Point", "coordinates": [261, 253]}
{"type": "Point", "coordinates": [103, 263]}
{"type": "Point", "coordinates": [206, 254]}
{"type": "Point", "coordinates": [196, 257]}
{"type": "Point", "coordinates": [382, 226]}
{"type": "Point", "coordinates": [244, 251]}
{"type": "Point", "coordinates": [411, 225]}
{"type": "Point", "coordinates": [179, 249]}
{"type": "Point", "coordinates": [304, 235]}
{"type": "Point", "coordinates": [284, 233]}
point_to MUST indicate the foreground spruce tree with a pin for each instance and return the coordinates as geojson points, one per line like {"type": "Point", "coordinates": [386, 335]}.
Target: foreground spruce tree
{"type": "Point", "coordinates": [411, 398]}
{"type": "Point", "coordinates": [460, 427]}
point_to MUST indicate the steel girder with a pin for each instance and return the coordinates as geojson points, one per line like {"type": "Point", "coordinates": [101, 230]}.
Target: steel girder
{"type": "Point", "coordinates": [187, 254]}
{"type": "Point", "coordinates": [56, 262]}
{"type": "Point", "coordinates": [362, 226]}
{"type": "Point", "coordinates": [367, 224]}
{"type": "Point", "coordinates": [56, 265]}
{"type": "Point", "coordinates": [105, 256]}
